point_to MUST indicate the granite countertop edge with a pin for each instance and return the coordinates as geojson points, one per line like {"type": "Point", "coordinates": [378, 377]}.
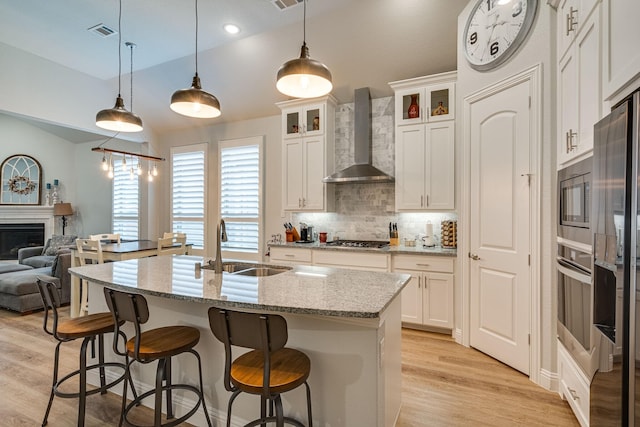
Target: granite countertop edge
{"type": "Point", "coordinates": [373, 313]}
{"type": "Point", "coordinates": [400, 250]}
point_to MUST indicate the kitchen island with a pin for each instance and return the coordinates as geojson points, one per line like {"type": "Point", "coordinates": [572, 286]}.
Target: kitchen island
{"type": "Point", "coordinates": [346, 321]}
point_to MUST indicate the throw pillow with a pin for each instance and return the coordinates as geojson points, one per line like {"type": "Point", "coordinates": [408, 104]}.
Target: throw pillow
{"type": "Point", "coordinates": [46, 246]}
{"type": "Point", "coordinates": [54, 266]}
{"type": "Point", "coordinates": [57, 242]}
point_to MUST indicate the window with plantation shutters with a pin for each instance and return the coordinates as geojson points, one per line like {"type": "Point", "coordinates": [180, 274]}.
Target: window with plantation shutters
{"type": "Point", "coordinates": [241, 195]}
{"type": "Point", "coordinates": [188, 192]}
{"type": "Point", "coordinates": [126, 202]}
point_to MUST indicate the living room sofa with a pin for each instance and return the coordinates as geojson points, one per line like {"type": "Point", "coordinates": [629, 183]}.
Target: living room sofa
{"type": "Point", "coordinates": [18, 288]}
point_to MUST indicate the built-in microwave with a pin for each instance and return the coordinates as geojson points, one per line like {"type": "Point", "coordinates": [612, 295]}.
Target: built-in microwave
{"type": "Point", "coordinates": [574, 202]}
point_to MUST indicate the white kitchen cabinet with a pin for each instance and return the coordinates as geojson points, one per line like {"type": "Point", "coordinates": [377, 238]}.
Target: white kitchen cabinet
{"type": "Point", "coordinates": [290, 255]}
{"type": "Point", "coordinates": [434, 97]}
{"type": "Point", "coordinates": [621, 56]}
{"type": "Point", "coordinates": [571, 17]}
{"type": "Point", "coordinates": [307, 153]}
{"type": "Point", "coordinates": [574, 386]}
{"type": "Point", "coordinates": [579, 91]}
{"type": "Point", "coordinates": [428, 298]}
{"type": "Point", "coordinates": [354, 260]}
{"type": "Point", "coordinates": [425, 145]}
{"type": "Point", "coordinates": [425, 178]}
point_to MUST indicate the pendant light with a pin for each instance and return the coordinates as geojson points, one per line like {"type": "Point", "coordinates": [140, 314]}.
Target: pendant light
{"type": "Point", "coordinates": [118, 118]}
{"type": "Point", "coordinates": [195, 102]}
{"type": "Point", "coordinates": [304, 77]}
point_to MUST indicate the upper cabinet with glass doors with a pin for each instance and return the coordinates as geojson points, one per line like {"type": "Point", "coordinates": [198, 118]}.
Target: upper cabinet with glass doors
{"type": "Point", "coordinates": [425, 100]}
{"type": "Point", "coordinates": [306, 120]}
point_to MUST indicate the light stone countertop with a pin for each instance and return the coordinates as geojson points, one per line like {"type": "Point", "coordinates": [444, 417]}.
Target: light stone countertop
{"type": "Point", "coordinates": [404, 250]}
{"type": "Point", "coordinates": [302, 290]}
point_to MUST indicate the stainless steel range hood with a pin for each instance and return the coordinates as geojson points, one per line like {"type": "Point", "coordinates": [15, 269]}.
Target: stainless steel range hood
{"type": "Point", "coordinates": [362, 170]}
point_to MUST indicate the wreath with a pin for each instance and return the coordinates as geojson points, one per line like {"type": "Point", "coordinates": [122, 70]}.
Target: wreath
{"type": "Point", "coordinates": [21, 185]}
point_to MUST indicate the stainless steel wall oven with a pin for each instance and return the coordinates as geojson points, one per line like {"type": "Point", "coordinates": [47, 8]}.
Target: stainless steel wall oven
{"type": "Point", "coordinates": [574, 202]}
{"type": "Point", "coordinates": [574, 262]}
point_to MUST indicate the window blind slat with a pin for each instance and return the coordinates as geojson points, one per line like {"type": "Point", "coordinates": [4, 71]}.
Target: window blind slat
{"type": "Point", "coordinates": [126, 206]}
{"type": "Point", "coordinates": [240, 196]}
{"type": "Point", "coordinates": [188, 195]}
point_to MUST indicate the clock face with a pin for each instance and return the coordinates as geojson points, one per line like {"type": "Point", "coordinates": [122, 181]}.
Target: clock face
{"type": "Point", "coordinates": [495, 29]}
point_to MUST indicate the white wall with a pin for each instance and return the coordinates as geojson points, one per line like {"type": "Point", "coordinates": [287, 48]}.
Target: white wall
{"type": "Point", "coordinates": [55, 155]}
{"type": "Point", "coordinates": [82, 182]}
{"type": "Point", "coordinates": [55, 94]}
{"type": "Point", "coordinates": [539, 48]}
{"type": "Point", "coordinates": [267, 126]}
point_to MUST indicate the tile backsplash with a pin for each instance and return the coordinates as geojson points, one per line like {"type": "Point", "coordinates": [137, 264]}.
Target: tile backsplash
{"type": "Point", "coordinates": [363, 210]}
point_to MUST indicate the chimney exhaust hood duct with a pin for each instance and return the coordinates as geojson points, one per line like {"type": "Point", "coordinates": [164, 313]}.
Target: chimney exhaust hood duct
{"type": "Point", "coordinates": [362, 171]}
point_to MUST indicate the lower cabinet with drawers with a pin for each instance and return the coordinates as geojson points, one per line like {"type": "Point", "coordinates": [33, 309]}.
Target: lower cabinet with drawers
{"type": "Point", "coordinates": [574, 385]}
{"type": "Point", "coordinates": [354, 260]}
{"type": "Point", "coordinates": [427, 300]}
{"type": "Point", "coordinates": [288, 255]}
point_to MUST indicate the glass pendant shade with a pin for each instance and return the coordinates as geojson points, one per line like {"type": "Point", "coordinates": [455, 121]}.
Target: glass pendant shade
{"type": "Point", "coordinates": [118, 118]}
{"type": "Point", "coordinates": [304, 77]}
{"type": "Point", "coordinates": [195, 102]}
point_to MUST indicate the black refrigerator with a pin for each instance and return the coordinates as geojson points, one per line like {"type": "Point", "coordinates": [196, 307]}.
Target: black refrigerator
{"type": "Point", "coordinates": [615, 388]}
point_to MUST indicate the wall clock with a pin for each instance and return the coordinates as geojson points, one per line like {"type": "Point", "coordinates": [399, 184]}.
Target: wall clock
{"type": "Point", "coordinates": [495, 30]}
{"type": "Point", "coordinates": [20, 175]}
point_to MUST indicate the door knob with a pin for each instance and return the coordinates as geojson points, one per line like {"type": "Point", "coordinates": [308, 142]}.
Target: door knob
{"type": "Point", "coordinates": [474, 257]}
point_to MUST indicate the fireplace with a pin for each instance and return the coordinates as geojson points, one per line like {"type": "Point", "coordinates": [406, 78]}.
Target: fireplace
{"type": "Point", "coordinates": [16, 236]}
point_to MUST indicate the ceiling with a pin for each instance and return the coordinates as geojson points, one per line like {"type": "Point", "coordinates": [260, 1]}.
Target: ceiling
{"type": "Point", "coordinates": [363, 43]}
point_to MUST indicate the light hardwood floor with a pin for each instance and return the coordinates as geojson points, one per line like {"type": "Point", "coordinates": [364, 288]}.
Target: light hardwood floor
{"type": "Point", "coordinates": [444, 384]}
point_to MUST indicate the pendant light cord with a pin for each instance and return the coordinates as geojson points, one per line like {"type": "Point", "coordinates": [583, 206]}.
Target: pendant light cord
{"type": "Point", "coordinates": [119, 49]}
{"type": "Point", "coordinates": [304, 22]}
{"type": "Point", "coordinates": [131, 46]}
{"type": "Point", "coordinates": [196, 38]}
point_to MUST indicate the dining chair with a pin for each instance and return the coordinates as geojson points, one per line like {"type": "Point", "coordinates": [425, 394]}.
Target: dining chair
{"type": "Point", "coordinates": [172, 243]}
{"type": "Point", "coordinates": [106, 237]}
{"type": "Point", "coordinates": [89, 252]}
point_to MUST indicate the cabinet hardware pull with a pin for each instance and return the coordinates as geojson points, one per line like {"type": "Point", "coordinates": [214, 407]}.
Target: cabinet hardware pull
{"type": "Point", "coordinates": [571, 21]}
{"type": "Point", "coordinates": [573, 393]}
{"type": "Point", "coordinates": [421, 201]}
{"type": "Point", "coordinates": [422, 265]}
{"type": "Point", "coordinates": [299, 202]}
{"type": "Point", "coordinates": [289, 255]}
{"type": "Point", "coordinates": [474, 257]}
{"type": "Point", "coordinates": [570, 145]}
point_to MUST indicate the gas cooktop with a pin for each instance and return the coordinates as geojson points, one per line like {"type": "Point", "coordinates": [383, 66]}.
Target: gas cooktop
{"type": "Point", "coordinates": [376, 244]}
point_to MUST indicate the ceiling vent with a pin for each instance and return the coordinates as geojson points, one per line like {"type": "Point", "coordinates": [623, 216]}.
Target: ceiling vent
{"type": "Point", "coordinates": [284, 4]}
{"type": "Point", "coordinates": [102, 30]}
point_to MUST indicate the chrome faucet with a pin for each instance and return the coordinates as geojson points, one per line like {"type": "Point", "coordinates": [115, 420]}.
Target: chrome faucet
{"type": "Point", "coordinates": [221, 236]}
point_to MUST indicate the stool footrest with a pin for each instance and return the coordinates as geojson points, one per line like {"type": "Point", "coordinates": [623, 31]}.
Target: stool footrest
{"type": "Point", "coordinates": [96, 390]}
{"type": "Point", "coordinates": [287, 420]}
{"type": "Point", "coordinates": [175, 421]}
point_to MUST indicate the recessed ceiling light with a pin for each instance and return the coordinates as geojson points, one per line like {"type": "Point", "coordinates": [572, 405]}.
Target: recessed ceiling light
{"type": "Point", "coordinates": [231, 28]}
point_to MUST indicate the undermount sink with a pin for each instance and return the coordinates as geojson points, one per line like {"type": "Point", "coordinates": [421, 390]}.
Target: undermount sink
{"type": "Point", "coordinates": [250, 269]}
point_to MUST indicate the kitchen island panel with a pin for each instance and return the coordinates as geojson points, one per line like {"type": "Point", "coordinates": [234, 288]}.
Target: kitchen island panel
{"type": "Point", "coordinates": [354, 345]}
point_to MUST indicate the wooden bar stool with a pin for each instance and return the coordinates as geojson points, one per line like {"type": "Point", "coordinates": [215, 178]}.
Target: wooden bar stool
{"type": "Point", "coordinates": [268, 370]}
{"type": "Point", "coordinates": [160, 345]}
{"type": "Point", "coordinates": [88, 328]}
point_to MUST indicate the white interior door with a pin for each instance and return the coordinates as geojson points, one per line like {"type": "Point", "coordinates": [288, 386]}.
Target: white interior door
{"type": "Point", "coordinates": [499, 227]}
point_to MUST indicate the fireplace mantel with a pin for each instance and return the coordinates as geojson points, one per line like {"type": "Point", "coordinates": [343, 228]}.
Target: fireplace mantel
{"type": "Point", "coordinates": [15, 214]}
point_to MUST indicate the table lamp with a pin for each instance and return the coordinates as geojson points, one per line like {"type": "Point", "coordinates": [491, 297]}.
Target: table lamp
{"type": "Point", "coordinates": [63, 210]}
